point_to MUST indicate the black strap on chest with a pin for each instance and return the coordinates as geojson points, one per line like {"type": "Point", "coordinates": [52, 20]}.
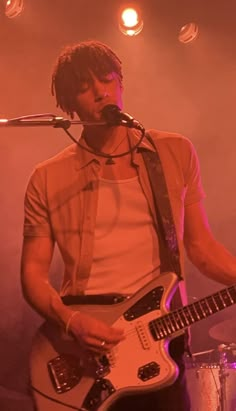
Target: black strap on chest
{"type": "Point", "coordinates": [168, 243]}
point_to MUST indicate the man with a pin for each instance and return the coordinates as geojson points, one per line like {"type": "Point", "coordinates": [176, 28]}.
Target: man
{"type": "Point", "coordinates": [99, 210]}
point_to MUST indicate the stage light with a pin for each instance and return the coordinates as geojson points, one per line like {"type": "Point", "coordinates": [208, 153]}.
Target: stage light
{"type": "Point", "coordinates": [13, 8]}
{"type": "Point", "coordinates": [188, 33]}
{"type": "Point", "coordinates": [130, 21]}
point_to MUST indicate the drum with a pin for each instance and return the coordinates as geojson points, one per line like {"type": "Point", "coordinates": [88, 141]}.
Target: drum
{"type": "Point", "coordinates": [204, 387]}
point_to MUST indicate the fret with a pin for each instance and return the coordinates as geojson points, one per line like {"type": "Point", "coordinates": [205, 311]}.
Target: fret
{"type": "Point", "coordinates": [218, 301]}
{"type": "Point", "coordinates": [167, 324]}
{"type": "Point", "coordinates": [187, 315]}
{"type": "Point", "coordinates": [179, 319]}
{"type": "Point", "coordinates": [208, 306]}
{"type": "Point", "coordinates": [152, 329]}
{"type": "Point", "coordinates": [192, 320]}
{"type": "Point", "coordinates": [229, 296]}
{"type": "Point", "coordinates": [225, 298]}
{"type": "Point", "coordinates": [160, 327]}
{"type": "Point", "coordinates": [176, 320]}
{"type": "Point", "coordinates": [232, 291]}
{"type": "Point", "coordinates": [171, 324]}
{"type": "Point", "coordinates": [175, 326]}
{"type": "Point", "coordinates": [159, 333]}
{"type": "Point", "coordinates": [194, 312]}
{"type": "Point", "coordinates": [200, 312]}
{"type": "Point", "coordinates": [215, 308]}
{"type": "Point", "coordinates": [205, 307]}
{"type": "Point", "coordinates": [163, 329]}
{"type": "Point", "coordinates": [222, 300]}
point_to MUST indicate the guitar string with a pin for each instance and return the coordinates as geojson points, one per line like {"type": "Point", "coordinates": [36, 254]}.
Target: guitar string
{"type": "Point", "coordinates": [160, 319]}
{"type": "Point", "coordinates": [163, 328]}
{"type": "Point", "coordinates": [134, 332]}
{"type": "Point", "coordinates": [178, 311]}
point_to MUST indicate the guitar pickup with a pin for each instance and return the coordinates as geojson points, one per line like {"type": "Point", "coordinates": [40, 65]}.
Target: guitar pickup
{"type": "Point", "coordinates": [65, 372]}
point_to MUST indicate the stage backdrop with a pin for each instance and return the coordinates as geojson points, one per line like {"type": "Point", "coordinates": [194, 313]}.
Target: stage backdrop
{"type": "Point", "coordinates": [186, 88]}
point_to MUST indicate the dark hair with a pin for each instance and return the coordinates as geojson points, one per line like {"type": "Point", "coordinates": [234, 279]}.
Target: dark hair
{"type": "Point", "coordinates": [72, 68]}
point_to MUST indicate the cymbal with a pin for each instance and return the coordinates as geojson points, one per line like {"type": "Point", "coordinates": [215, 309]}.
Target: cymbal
{"type": "Point", "coordinates": [225, 331]}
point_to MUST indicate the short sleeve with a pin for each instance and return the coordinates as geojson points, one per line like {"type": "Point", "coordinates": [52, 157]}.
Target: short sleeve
{"type": "Point", "coordinates": [36, 216]}
{"type": "Point", "coordinates": [192, 175]}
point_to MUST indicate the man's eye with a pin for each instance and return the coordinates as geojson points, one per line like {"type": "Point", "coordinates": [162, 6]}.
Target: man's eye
{"type": "Point", "coordinates": [107, 78]}
{"type": "Point", "coordinates": [83, 87]}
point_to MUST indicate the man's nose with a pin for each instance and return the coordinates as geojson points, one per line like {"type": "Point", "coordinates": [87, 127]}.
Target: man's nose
{"type": "Point", "coordinates": [100, 91]}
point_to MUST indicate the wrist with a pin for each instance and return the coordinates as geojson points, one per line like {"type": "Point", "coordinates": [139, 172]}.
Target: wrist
{"type": "Point", "coordinates": [60, 312]}
{"type": "Point", "coordinates": [68, 322]}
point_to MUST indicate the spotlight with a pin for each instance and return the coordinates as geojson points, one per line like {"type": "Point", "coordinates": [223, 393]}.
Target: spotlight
{"type": "Point", "coordinates": [130, 21]}
{"type": "Point", "coordinates": [188, 33]}
{"type": "Point", "coordinates": [13, 8]}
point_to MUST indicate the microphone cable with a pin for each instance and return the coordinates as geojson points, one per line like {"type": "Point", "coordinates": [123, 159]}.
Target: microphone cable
{"type": "Point", "coordinates": [110, 157]}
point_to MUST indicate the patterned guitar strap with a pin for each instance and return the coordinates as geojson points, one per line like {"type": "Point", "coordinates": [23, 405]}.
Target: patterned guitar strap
{"type": "Point", "coordinates": [168, 243]}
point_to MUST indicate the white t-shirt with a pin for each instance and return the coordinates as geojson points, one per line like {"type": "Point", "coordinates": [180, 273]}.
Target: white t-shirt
{"type": "Point", "coordinates": [126, 249]}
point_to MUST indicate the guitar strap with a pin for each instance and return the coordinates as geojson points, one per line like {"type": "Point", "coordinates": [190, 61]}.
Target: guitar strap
{"type": "Point", "coordinates": [168, 243]}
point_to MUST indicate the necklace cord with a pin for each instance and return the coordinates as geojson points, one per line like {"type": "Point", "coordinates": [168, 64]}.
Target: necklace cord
{"type": "Point", "coordinates": [105, 155]}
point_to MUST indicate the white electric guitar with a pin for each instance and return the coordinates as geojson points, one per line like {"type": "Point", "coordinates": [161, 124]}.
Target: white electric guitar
{"type": "Point", "coordinates": [63, 378]}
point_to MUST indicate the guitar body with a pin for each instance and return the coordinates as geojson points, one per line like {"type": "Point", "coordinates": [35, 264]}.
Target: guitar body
{"type": "Point", "coordinates": [64, 378]}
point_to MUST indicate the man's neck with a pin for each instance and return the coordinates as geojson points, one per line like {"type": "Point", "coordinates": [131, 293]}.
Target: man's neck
{"type": "Point", "coordinates": [105, 138]}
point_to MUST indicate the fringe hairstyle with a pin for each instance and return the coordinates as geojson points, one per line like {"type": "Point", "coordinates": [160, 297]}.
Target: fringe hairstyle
{"type": "Point", "coordinates": [72, 67]}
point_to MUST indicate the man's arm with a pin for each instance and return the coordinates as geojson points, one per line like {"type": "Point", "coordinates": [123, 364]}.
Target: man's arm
{"type": "Point", "coordinates": [36, 258]}
{"type": "Point", "coordinates": [35, 263]}
{"type": "Point", "coordinates": [207, 254]}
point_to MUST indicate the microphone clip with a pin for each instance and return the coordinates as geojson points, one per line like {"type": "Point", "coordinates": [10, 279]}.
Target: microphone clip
{"type": "Point", "coordinates": [115, 117]}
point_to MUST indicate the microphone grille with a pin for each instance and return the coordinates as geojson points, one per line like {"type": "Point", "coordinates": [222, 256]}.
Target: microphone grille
{"type": "Point", "coordinates": [111, 113]}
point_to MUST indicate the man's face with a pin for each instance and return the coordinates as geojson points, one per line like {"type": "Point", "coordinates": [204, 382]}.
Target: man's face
{"type": "Point", "coordinates": [95, 93]}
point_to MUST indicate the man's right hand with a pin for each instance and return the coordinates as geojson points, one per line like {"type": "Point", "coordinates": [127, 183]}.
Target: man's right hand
{"type": "Point", "coordinates": [94, 335]}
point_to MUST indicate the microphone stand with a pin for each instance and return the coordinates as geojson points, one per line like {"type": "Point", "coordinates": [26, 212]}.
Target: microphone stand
{"type": "Point", "coordinates": [45, 119]}
{"type": "Point", "coordinates": [49, 119]}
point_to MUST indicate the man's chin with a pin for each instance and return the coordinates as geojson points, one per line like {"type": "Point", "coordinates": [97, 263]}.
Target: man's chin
{"type": "Point", "coordinates": [92, 120]}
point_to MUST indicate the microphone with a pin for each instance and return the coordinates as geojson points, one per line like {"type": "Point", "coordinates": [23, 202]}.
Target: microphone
{"type": "Point", "coordinates": [113, 115]}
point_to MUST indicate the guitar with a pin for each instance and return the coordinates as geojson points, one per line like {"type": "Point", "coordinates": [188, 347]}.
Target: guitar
{"type": "Point", "coordinates": [64, 378]}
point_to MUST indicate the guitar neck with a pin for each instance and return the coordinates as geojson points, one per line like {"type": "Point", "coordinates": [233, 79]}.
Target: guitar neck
{"type": "Point", "coordinates": [183, 317]}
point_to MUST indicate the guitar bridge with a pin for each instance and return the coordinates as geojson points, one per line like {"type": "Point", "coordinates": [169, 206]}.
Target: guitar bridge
{"type": "Point", "coordinates": [65, 372]}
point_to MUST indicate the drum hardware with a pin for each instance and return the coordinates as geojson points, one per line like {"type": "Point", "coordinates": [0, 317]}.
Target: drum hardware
{"type": "Point", "coordinates": [223, 374]}
{"type": "Point", "coordinates": [224, 331]}
{"type": "Point", "coordinates": [212, 385]}
{"type": "Point", "coordinates": [202, 352]}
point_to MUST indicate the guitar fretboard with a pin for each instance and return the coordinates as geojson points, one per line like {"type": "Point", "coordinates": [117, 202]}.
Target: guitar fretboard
{"type": "Point", "coordinates": [168, 324]}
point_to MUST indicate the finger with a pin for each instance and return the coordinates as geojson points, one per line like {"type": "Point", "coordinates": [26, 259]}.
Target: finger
{"type": "Point", "coordinates": [109, 334]}
{"type": "Point", "coordinates": [113, 338]}
{"type": "Point", "coordinates": [95, 344]}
